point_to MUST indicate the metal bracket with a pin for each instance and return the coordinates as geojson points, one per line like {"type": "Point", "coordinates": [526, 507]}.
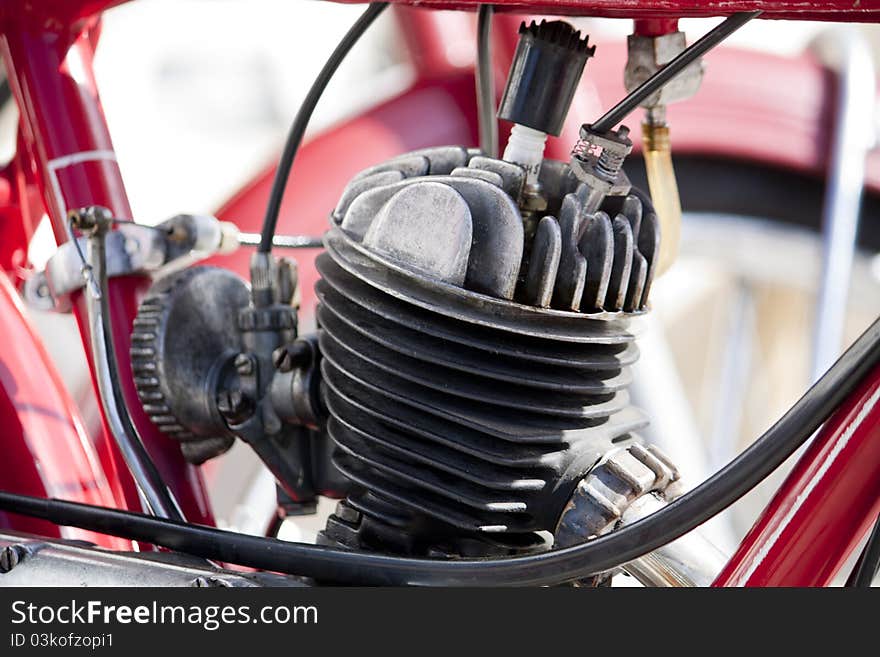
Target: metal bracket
{"type": "Point", "coordinates": [132, 249]}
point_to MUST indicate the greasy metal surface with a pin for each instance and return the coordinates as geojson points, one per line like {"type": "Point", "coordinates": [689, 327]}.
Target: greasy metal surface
{"type": "Point", "coordinates": [605, 493]}
{"type": "Point", "coordinates": [183, 334]}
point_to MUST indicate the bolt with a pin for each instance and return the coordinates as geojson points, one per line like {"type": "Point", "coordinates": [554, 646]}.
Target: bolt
{"type": "Point", "coordinates": [10, 557]}
{"type": "Point", "coordinates": [233, 405]}
{"type": "Point", "coordinates": [288, 357]}
{"type": "Point", "coordinates": [244, 365]}
{"type": "Point", "coordinates": [89, 218]}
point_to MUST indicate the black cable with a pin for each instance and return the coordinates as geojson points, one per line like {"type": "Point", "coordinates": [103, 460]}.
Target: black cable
{"type": "Point", "coordinates": [869, 561]}
{"type": "Point", "coordinates": [485, 81]}
{"type": "Point", "coordinates": [301, 122]}
{"type": "Point", "coordinates": [675, 66]}
{"type": "Point", "coordinates": [546, 568]}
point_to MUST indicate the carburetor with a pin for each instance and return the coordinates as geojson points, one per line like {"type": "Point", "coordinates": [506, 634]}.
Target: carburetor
{"type": "Point", "coordinates": [472, 359]}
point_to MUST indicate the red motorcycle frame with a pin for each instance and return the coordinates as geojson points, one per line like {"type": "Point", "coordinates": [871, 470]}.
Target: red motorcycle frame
{"type": "Point", "coordinates": [65, 159]}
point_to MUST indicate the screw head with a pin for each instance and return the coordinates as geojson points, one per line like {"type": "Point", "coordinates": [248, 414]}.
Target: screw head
{"type": "Point", "coordinates": [10, 557]}
{"type": "Point", "coordinates": [233, 405]}
{"type": "Point", "coordinates": [202, 582]}
{"type": "Point", "coordinates": [290, 356]}
{"type": "Point", "coordinates": [244, 365]}
{"type": "Point", "coordinates": [281, 359]}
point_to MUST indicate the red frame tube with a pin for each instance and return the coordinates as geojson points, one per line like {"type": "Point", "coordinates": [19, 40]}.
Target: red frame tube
{"type": "Point", "coordinates": [824, 507]}
{"type": "Point", "coordinates": [66, 138]}
{"type": "Point", "coordinates": [49, 453]}
{"type": "Point", "coordinates": [820, 10]}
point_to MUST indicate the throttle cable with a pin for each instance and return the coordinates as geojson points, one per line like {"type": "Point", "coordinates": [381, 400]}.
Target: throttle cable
{"type": "Point", "coordinates": [304, 115]}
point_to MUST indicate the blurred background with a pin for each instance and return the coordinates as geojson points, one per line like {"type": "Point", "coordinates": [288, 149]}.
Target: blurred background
{"type": "Point", "coordinates": [199, 94]}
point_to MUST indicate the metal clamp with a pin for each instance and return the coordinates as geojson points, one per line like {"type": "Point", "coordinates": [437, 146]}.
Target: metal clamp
{"type": "Point", "coordinates": [603, 496]}
{"type": "Point", "coordinates": [625, 487]}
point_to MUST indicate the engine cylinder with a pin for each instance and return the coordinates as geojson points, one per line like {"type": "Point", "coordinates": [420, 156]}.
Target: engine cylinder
{"type": "Point", "coordinates": [463, 418]}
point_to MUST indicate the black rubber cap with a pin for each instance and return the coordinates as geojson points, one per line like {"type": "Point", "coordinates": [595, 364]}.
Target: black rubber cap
{"type": "Point", "coordinates": [545, 72]}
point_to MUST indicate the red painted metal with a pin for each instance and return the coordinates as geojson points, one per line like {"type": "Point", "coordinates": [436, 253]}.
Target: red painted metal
{"type": "Point", "coordinates": [46, 451]}
{"type": "Point", "coordinates": [65, 135]}
{"type": "Point", "coordinates": [866, 11]}
{"type": "Point", "coordinates": [826, 504]}
{"type": "Point", "coordinates": [653, 27]}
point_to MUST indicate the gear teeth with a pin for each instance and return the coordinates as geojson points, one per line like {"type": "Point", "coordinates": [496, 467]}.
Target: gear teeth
{"type": "Point", "coordinates": [145, 368]}
{"type": "Point", "coordinates": [559, 33]}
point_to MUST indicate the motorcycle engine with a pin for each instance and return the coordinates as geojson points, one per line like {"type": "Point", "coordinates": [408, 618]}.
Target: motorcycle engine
{"type": "Point", "coordinates": [471, 365]}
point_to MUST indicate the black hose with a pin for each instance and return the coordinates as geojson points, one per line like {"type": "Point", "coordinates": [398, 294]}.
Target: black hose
{"type": "Point", "coordinates": [546, 568]}
{"type": "Point", "coordinates": [866, 567]}
{"type": "Point", "coordinates": [675, 66]}
{"type": "Point", "coordinates": [301, 122]}
{"type": "Point", "coordinates": [485, 80]}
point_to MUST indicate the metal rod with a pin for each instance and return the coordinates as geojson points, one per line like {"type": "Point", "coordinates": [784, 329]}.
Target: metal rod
{"type": "Point", "coordinates": [700, 47]}
{"type": "Point", "coordinates": [843, 194]}
{"type": "Point", "coordinates": [156, 496]}
{"type": "Point", "coordinates": [732, 383]}
{"type": "Point", "coordinates": [691, 560]}
{"type": "Point", "coordinates": [485, 80]}
{"type": "Point", "coordinates": [283, 241]}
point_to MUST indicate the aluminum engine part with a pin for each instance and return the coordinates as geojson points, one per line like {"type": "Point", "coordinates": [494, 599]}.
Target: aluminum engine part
{"type": "Point", "coordinates": [35, 561]}
{"type": "Point", "coordinates": [464, 409]}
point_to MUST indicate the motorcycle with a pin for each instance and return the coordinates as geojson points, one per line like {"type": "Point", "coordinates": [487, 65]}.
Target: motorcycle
{"type": "Point", "coordinates": [454, 359]}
